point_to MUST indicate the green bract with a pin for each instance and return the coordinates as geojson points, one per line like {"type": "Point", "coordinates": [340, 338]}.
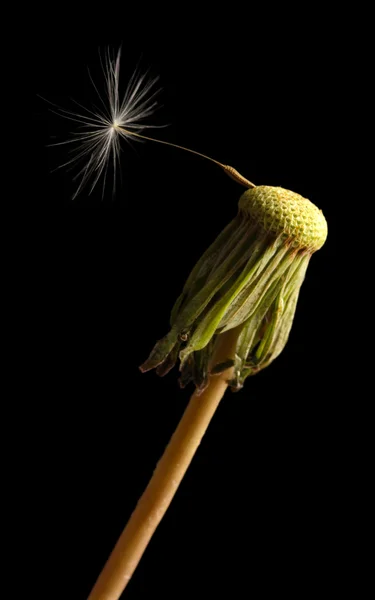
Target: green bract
{"type": "Point", "coordinates": [250, 278]}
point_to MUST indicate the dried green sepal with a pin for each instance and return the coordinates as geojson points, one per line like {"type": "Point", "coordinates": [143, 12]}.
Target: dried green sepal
{"type": "Point", "coordinates": [250, 278]}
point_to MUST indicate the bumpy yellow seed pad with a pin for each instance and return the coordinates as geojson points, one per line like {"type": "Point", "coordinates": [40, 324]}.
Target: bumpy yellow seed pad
{"type": "Point", "coordinates": [282, 212]}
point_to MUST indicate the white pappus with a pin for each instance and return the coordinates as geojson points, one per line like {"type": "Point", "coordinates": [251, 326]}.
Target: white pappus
{"type": "Point", "coordinates": [97, 142]}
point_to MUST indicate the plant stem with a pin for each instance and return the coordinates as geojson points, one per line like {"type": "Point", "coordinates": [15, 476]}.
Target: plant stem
{"type": "Point", "coordinates": [165, 480]}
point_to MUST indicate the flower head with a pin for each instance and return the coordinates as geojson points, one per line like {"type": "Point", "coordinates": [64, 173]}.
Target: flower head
{"type": "Point", "coordinates": [249, 278]}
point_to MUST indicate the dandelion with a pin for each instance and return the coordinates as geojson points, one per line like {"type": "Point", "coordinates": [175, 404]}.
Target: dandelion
{"type": "Point", "coordinates": [248, 279]}
{"type": "Point", "coordinates": [232, 318]}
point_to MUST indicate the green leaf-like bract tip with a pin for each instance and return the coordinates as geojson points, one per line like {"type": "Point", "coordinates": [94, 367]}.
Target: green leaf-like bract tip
{"type": "Point", "coordinates": [249, 278]}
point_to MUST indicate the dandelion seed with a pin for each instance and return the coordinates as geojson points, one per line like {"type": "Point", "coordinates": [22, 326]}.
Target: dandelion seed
{"type": "Point", "coordinates": [98, 142]}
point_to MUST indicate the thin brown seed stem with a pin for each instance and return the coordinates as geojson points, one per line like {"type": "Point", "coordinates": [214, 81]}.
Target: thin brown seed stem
{"type": "Point", "coordinates": [233, 173]}
{"type": "Point", "coordinates": [165, 480]}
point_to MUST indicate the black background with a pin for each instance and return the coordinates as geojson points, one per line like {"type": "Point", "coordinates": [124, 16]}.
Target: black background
{"type": "Point", "coordinates": [260, 509]}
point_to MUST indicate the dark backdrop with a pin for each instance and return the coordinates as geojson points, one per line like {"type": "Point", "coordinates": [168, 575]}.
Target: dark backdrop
{"type": "Point", "coordinates": [258, 512]}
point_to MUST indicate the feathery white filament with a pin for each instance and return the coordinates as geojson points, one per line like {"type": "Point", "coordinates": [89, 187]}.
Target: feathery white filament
{"type": "Point", "coordinates": [98, 141]}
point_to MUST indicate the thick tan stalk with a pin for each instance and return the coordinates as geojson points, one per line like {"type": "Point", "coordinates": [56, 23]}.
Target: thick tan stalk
{"type": "Point", "coordinates": [164, 483]}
